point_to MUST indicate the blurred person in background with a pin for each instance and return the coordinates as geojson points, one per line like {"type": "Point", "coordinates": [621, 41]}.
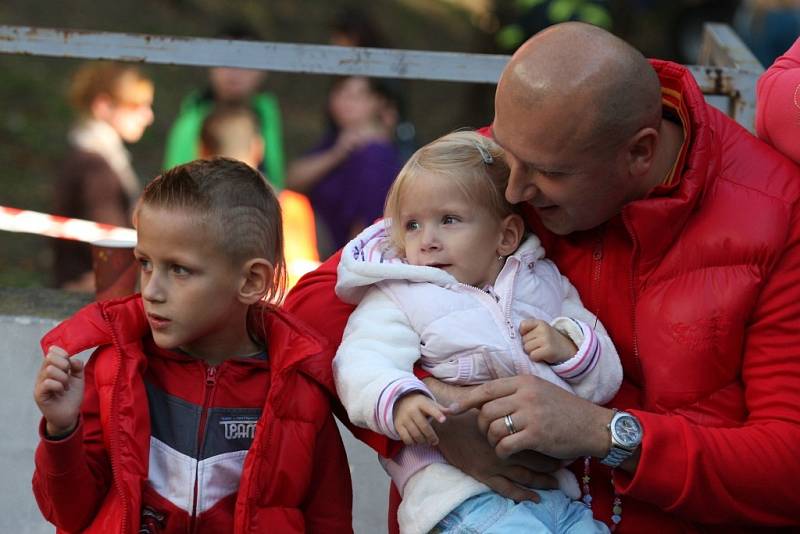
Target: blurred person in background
{"type": "Point", "coordinates": [230, 86]}
{"type": "Point", "coordinates": [778, 103]}
{"type": "Point", "coordinates": [348, 173]}
{"type": "Point", "coordinates": [352, 26]}
{"type": "Point", "coordinates": [96, 180]}
{"type": "Point", "coordinates": [232, 131]}
{"type": "Point", "coordinates": [768, 27]}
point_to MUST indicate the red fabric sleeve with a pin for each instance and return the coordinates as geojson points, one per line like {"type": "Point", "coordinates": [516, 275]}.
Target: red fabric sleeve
{"type": "Point", "coordinates": [314, 301]}
{"type": "Point", "coordinates": [330, 500]}
{"type": "Point", "coordinates": [745, 474]}
{"type": "Point", "coordinates": [73, 475]}
{"type": "Point", "coordinates": [778, 103]}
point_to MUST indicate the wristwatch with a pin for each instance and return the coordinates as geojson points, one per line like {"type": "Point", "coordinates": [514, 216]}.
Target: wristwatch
{"type": "Point", "coordinates": [626, 436]}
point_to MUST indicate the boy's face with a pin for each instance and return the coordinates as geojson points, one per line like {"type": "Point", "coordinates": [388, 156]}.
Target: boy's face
{"type": "Point", "coordinates": [189, 288]}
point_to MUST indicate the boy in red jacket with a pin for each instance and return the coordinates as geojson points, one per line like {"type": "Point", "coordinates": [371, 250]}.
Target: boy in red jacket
{"type": "Point", "coordinates": [202, 409]}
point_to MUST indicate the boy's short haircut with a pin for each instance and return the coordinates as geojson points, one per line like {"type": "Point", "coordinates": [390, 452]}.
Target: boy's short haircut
{"type": "Point", "coordinates": [238, 204]}
{"type": "Point", "coordinates": [121, 82]}
{"type": "Point", "coordinates": [473, 162]}
{"type": "Point", "coordinates": [230, 129]}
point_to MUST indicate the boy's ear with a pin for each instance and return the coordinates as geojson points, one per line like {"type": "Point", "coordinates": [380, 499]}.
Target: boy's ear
{"type": "Point", "coordinates": [512, 229]}
{"type": "Point", "coordinates": [256, 280]}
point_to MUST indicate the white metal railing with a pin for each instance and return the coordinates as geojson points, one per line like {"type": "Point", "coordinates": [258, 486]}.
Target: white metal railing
{"type": "Point", "coordinates": [728, 78]}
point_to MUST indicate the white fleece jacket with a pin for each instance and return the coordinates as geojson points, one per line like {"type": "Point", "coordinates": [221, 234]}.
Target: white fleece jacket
{"type": "Point", "coordinates": [461, 335]}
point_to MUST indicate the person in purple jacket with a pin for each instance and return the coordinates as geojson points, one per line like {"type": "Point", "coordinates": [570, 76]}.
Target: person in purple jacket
{"type": "Point", "coordinates": [348, 174]}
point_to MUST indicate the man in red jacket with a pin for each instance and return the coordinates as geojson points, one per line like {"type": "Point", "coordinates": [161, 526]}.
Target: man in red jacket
{"type": "Point", "coordinates": [680, 231]}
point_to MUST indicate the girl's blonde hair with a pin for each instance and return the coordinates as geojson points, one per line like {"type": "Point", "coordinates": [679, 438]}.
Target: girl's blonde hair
{"type": "Point", "coordinates": [472, 162]}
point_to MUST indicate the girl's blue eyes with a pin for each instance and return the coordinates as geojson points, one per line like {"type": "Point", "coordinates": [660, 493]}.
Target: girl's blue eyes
{"type": "Point", "coordinates": [414, 225]}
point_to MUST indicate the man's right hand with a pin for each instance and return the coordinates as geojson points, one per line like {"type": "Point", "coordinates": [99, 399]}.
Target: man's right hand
{"type": "Point", "coordinates": [463, 446]}
{"type": "Point", "coordinates": [59, 391]}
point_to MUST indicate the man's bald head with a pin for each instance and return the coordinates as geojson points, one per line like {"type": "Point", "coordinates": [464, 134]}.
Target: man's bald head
{"type": "Point", "coordinates": [599, 85]}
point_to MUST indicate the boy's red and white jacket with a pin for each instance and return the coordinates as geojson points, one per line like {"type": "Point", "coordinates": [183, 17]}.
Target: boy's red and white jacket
{"type": "Point", "coordinates": [294, 477]}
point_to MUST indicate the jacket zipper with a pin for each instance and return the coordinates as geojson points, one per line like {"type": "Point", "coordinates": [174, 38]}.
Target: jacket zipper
{"type": "Point", "coordinates": [505, 312]}
{"type": "Point", "coordinates": [632, 281]}
{"type": "Point", "coordinates": [597, 261]}
{"type": "Point", "coordinates": [210, 385]}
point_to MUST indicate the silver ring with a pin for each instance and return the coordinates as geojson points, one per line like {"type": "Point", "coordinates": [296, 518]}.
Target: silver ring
{"type": "Point", "coordinates": [509, 425]}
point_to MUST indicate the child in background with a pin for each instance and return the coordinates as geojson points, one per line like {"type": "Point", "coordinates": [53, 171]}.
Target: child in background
{"type": "Point", "coordinates": [444, 281]}
{"type": "Point", "coordinates": [232, 131]}
{"type": "Point", "coordinates": [226, 86]}
{"type": "Point", "coordinates": [778, 103]}
{"type": "Point", "coordinates": [203, 409]}
{"type": "Point", "coordinates": [96, 180]}
{"type": "Point", "coordinates": [350, 171]}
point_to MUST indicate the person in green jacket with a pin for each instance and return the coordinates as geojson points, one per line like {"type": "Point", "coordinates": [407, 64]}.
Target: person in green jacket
{"type": "Point", "coordinates": [229, 86]}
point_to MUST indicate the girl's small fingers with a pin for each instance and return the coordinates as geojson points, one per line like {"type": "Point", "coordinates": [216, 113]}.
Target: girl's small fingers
{"type": "Point", "coordinates": [427, 434]}
{"type": "Point", "coordinates": [435, 411]}
{"type": "Point", "coordinates": [416, 435]}
{"type": "Point", "coordinates": [404, 436]}
{"type": "Point", "coordinates": [430, 435]}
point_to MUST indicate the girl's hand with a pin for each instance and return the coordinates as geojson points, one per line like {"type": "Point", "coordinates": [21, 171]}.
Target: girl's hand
{"type": "Point", "coordinates": [543, 343]}
{"type": "Point", "coordinates": [411, 415]}
{"type": "Point", "coordinates": [58, 391]}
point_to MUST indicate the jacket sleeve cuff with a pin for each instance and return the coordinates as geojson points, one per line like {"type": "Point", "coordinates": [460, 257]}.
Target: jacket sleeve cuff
{"type": "Point", "coordinates": [589, 350]}
{"type": "Point", "coordinates": [384, 411]}
{"type": "Point", "coordinates": [59, 457]}
{"type": "Point", "coordinates": [662, 445]}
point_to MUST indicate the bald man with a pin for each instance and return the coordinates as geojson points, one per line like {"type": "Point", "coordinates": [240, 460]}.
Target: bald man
{"type": "Point", "coordinates": [680, 231]}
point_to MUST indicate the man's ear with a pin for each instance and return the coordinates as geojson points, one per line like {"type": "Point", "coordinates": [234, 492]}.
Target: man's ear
{"type": "Point", "coordinates": [642, 151]}
{"type": "Point", "coordinates": [256, 280]}
{"type": "Point", "coordinates": [512, 229]}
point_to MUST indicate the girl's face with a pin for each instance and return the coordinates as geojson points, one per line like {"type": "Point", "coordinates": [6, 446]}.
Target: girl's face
{"type": "Point", "coordinates": [444, 229]}
{"type": "Point", "coordinates": [352, 103]}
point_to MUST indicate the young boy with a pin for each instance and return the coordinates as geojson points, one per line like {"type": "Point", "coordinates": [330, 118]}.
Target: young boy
{"type": "Point", "coordinates": [203, 409]}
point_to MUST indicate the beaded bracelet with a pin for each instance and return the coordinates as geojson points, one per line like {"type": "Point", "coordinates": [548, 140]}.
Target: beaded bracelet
{"type": "Point", "coordinates": [616, 510]}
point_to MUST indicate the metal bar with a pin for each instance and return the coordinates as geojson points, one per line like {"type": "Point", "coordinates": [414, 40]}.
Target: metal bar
{"type": "Point", "coordinates": [735, 81]}
{"type": "Point", "coordinates": [317, 59]}
{"type": "Point", "coordinates": [722, 47]}
{"type": "Point", "coordinates": [737, 84]}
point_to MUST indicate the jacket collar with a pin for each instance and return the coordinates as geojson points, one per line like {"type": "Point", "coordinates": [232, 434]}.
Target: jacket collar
{"type": "Point", "coordinates": [657, 220]}
{"type": "Point", "coordinates": [291, 345]}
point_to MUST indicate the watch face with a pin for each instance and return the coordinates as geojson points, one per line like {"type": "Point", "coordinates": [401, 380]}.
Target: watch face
{"type": "Point", "coordinates": [628, 431]}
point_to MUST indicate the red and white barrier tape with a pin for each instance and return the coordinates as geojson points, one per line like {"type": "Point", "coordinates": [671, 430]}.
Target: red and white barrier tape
{"type": "Point", "coordinates": [34, 222]}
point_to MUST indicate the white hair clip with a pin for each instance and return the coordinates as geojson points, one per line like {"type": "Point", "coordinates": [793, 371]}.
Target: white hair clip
{"type": "Point", "coordinates": [485, 155]}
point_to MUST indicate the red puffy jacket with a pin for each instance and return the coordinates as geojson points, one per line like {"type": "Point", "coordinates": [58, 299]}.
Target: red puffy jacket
{"type": "Point", "coordinates": [699, 287]}
{"type": "Point", "coordinates": [295, 476]}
